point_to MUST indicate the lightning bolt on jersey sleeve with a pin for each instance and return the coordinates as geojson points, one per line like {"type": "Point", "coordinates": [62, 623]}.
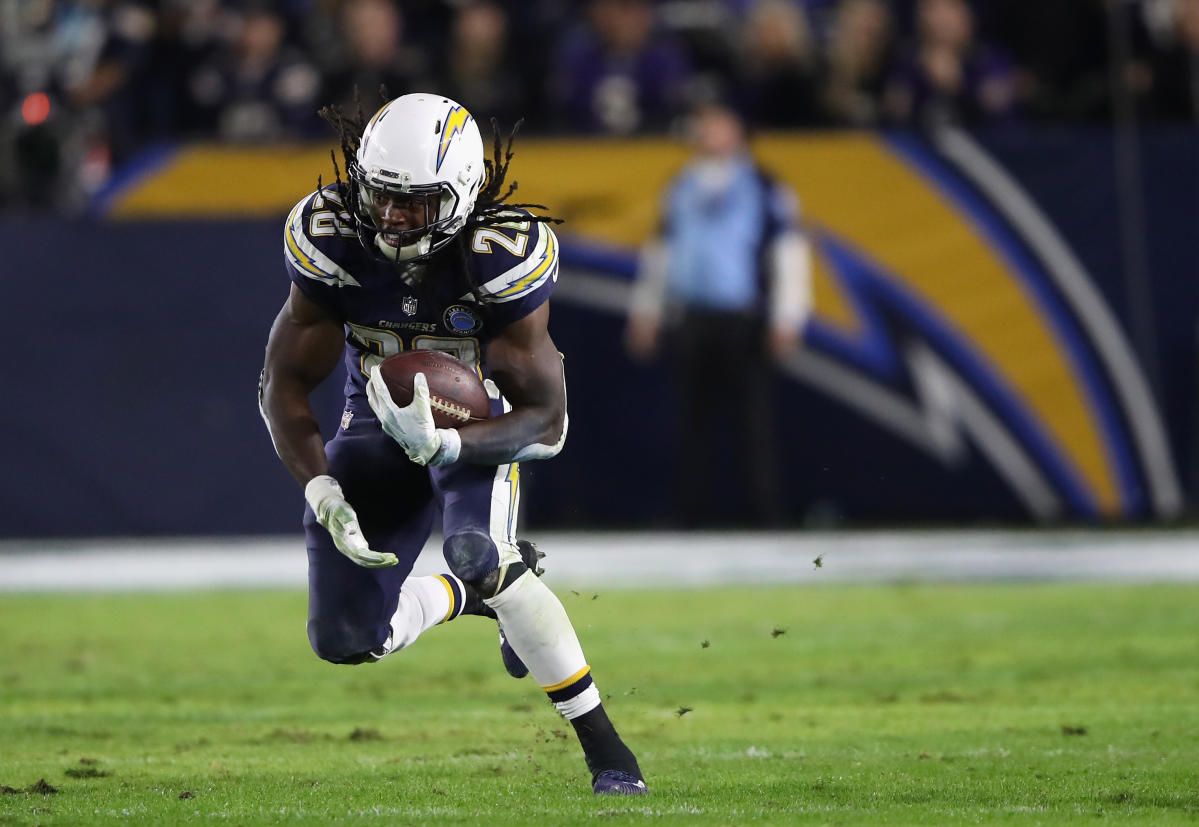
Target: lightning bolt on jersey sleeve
{"type": "Point", "coordinates": [517, 267]}
{"type": "Point", "coordinates": [314, 238]}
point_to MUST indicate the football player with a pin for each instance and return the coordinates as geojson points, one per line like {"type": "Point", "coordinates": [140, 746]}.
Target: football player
{"type": "Point", "coordinates": [419, 248]}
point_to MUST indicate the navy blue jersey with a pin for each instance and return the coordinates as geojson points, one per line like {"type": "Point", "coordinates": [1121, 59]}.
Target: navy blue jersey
{"type": "Point", "coordinates": [388, 309]}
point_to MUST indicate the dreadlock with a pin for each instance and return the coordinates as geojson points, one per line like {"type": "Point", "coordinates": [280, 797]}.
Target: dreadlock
{"type": "Point", "coordinates": [492, 208]}
{"type": "Point", "coordinates": [349, 128]}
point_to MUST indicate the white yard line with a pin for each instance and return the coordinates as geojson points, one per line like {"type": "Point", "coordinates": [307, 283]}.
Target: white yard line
{"type": "Point", "coordinates": [638, 560]}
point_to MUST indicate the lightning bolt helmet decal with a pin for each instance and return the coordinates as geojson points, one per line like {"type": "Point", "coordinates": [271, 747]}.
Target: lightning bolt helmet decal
{"type": "Point", "coordinates": [453, 123]}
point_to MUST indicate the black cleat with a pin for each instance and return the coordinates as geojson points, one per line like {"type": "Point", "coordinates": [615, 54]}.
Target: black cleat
{"type": "Point", "coordinates": [617, 782]}
{"type": "Point", "coordinates": [512, 662]}
{"type": "Point", "coordinates": [531, 556]}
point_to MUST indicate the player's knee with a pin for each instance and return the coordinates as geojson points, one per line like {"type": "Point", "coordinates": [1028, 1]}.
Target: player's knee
{"type": "Point", "coordinates": [471, 555]}
{"type": "Point", "coordinates": [337, 642]}
{"type": "Point", "coordinates": [494, 582]}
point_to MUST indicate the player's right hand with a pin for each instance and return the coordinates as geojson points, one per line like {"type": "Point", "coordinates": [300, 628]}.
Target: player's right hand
{"type": "Point", "coordinates": [324, 495]}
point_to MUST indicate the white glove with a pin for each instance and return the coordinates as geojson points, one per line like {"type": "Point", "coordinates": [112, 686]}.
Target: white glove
{"type": "Point", "coordinates": [412, 426]}
{"type": "Point", "coordinates": [332, 511]}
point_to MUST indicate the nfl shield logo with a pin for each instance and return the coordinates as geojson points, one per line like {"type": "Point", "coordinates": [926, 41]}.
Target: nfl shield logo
{"type": "Point", "coordinates": [409, 306]}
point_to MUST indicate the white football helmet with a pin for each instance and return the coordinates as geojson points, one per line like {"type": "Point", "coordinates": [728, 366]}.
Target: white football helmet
{"type": "Point", "coordinates": [420, 153]}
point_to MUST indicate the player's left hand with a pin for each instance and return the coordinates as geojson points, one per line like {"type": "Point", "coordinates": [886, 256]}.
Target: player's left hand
{"type": "Point", "coordinates": [411, 426]}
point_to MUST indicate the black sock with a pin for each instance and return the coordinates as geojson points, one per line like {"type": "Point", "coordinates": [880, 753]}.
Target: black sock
{"type": "Point", "coordinates": [602, 747]}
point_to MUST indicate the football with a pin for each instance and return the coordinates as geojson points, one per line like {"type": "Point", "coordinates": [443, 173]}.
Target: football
{"type": "Point", "coordinates": [456, 393]}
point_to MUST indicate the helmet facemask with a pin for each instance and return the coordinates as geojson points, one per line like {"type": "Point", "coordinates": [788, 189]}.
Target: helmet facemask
{"type": "Point", "coordinates": [376, 206]}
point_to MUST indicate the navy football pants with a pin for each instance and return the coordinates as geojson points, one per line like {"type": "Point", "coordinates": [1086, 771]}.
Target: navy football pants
{"type": "Point", "coordinates": [397, 501]}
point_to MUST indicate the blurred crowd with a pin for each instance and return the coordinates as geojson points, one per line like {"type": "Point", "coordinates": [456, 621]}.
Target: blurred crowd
{"type": "Point", "coordinates": [87, 84]}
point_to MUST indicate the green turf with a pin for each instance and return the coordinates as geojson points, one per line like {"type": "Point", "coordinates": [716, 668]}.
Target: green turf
{"type": "Point", "coordinates": [934, 704]}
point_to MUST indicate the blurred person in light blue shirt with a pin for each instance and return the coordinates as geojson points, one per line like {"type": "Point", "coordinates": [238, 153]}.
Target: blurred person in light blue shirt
{"type": "Point", "coordinates": [723, 289]}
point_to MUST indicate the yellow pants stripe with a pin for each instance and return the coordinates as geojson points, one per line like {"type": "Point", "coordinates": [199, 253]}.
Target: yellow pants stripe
{"type": "Point", "coordinates": [563, 684]}
{"type": "Point", "coordinates": [450, 591]}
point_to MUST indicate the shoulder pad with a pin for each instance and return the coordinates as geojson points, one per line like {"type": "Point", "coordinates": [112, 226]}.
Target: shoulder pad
{"type": "Point", "coordinates": [515, 260]}
{"type": "Point", "coordinates": [316, 232]}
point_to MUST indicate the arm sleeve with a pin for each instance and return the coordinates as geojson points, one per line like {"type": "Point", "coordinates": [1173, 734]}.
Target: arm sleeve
{"type": "Point", "coordinates": [648, 297]}
{"type": "Point", "coordinates": [790, 259]}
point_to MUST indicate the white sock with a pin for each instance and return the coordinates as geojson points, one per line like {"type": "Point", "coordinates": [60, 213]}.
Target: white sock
{"type": "Point", "coordinates": [424, 602]}
{"type": "Point", "coordinates": [538, 630]}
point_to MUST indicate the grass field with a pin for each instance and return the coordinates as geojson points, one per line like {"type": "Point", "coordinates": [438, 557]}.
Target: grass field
{"type": "Point", "coordinates": [933, 704]}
